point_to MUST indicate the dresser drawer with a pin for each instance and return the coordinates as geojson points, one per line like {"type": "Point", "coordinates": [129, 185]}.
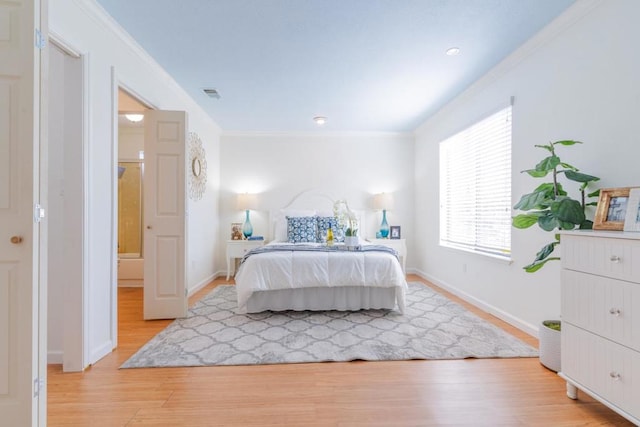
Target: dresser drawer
{"type": "Point", "coordinates": [607, 307]}
{"type": "Point", "coordinates": [610, 257]}
{"type": "Point", "coordinates": [238, 250]}
{"type": "Point", "coordinates": [610, 370]}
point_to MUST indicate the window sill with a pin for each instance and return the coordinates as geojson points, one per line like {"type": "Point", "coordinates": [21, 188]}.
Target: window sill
{"type": "Point", "coordinates": [506, 259]}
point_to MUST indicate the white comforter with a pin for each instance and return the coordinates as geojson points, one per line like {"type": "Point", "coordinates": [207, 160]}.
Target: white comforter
{"type": "Point", "coordinates": [300, 269]}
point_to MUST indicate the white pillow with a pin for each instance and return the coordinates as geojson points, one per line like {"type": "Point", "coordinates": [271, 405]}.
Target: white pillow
{"type": "Point", "coordinates": [280, 233]}
{"type": "Point", "coordinates": [325, 213]}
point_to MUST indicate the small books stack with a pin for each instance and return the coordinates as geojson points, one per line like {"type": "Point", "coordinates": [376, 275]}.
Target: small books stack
{"type": "Point", "coordinates": [255, 238]}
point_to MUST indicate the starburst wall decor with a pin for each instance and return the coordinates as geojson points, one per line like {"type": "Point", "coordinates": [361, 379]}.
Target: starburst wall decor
{"type": "Point", "coordinates": [198, 162]}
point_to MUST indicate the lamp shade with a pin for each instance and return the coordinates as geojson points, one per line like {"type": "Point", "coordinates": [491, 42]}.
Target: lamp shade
{"type": "Point", "coordinates": [383, 201]}
{"type": "Point", "coordinates": [247, 201]}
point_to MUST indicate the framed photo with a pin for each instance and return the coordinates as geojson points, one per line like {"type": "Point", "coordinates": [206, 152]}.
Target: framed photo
{"type": "Point", "coordinates": [236, 231]}
{"type": "Point", "coordinates": [394, 232]}
{"type": "Point", "coordinates": [632, 218]}
{"type": "Point", "coordinates": [612, 209]}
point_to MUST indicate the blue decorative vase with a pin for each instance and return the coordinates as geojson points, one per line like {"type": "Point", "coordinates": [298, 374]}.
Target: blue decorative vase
{"type": "Point", "coordinates": [384, 226]}
{"type": "Point", "coordinates": [247, 228]}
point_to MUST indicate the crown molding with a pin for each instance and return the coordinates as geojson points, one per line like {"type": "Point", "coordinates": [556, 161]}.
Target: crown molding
{"type": "Point", "coordinates": [100, 16]}
{"type": "Point", "coordinates": [317, 134]}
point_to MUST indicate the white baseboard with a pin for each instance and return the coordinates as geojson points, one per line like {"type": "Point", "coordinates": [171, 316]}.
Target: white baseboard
{"type": "Point", "coordinates": [204, 282]}
{"type": "Point", "coordinates": [100, 352]}
{"type": "Point", "coordinates": [483, 305]}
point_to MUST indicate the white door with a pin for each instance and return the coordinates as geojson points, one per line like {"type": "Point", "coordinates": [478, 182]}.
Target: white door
{"type": "Point", "coordinates": [22, 366]}
{"type": "Point", "coordinates": [164, 214]}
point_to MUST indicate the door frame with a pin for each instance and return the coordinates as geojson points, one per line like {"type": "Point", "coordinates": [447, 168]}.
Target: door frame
{"type": "Point", "coordinates": [117, 83]}
{"type": "Point", "coordinates": [76, 318]}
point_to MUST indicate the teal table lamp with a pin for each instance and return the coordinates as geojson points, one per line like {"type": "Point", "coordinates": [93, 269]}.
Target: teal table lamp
{"type": "Point", "coordinates": [383, 202]}
{"type": "Point", "coordinates": [247, 202]}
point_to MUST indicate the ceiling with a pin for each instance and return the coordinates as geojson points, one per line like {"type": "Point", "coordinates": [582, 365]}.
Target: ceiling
{"type": "Point", "coordinates": [367, 65]}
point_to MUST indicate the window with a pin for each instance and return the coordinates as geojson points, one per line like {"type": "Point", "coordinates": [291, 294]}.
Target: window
{"type": "Point", "coordinates": [475, 187]}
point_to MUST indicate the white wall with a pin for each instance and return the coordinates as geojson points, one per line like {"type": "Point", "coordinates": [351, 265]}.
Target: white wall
{"type": "Point", "coordinates": [577, 79]}
{"type": "Point", "coordinates": [351, 166]}
{"type": "Point", "coordinates": [84, 26]}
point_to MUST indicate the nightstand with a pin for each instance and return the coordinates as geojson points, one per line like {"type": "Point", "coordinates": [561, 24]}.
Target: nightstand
{"type": "Point", "coordinates": [237, 249]}
{"type": "Point", "coordinates": [400, 245]}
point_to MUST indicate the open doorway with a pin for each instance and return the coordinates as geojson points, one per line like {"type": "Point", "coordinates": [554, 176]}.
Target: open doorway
{"type": "Point", "coordinates": [160, 145]}
{"type": "Point", "coordinates": [130, 189]}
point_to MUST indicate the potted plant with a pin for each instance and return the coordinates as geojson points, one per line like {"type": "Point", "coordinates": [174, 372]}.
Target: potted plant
{"type": "Point", "coordinates": [549, 344]}
{"type": "Point", "coordinates": [351, 237]}
{"type": "Point", "coordinates": [551, 207]}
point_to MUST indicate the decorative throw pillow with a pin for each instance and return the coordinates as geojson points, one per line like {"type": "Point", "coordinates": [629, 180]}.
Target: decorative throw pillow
{"type": "Point", "coordinates": [280, 232]}
{"type": "Point", "coordinates": [324, 222]}
{"type": "Point", "coordinates": [302, 229]}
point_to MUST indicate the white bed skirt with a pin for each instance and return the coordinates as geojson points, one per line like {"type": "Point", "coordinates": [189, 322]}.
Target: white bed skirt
{"type": "Point", "coordinates": [345, 298]}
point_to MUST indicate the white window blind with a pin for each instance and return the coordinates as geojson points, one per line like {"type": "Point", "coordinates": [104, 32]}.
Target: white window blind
{"type": "Point", "coordinates": [475, 187]}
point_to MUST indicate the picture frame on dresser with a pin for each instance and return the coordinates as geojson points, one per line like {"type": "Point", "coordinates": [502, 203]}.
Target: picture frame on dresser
{"type": "Point", "coordinates": [632, 218]}
{"type": "Point", "coordinates": [612, 209]}
{"type": "Point", "coordinates": [394, 232]}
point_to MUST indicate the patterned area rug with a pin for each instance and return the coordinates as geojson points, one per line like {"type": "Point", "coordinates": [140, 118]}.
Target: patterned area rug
{"type": "Point", "coordinates": [433, 327]}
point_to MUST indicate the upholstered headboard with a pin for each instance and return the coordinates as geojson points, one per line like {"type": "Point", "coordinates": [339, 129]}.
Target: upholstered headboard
{"type": "Point", "coordinates": [306, 203]}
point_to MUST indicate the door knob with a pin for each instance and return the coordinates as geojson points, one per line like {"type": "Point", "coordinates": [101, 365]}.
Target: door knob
{"type": "Point", "coordinates": [148, 227]}
{"type": "Point", "coordinates": [16, 239]}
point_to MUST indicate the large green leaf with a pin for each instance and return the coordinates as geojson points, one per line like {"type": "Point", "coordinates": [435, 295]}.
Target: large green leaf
{"type": "Point", "coordinates": [545, 251]}
{"type": "Point", "coordinates": [536, 174]}
{"type": "Point", "coordinates": [567, 142]}
{"type": "Point", "coordinates": [535, 200]}
{"type": "Point", "coordinates": [524, 220]}
{"type": "Point", "coordinates": [548, 222]}
{"type": "Point", "coordinates": [540, 198]}
{"type": "Point", "coordinates": [565, 225]}
{"type": "Point", "coordinates": [537, 265]}
{"type": "Point", "coordinates": [568, 166]}
{"type": "Point", "coordinates": [561, 191]}
{"type": "Point", "coordinates": [549, 189]}
{"type": "Point", "coordinates": [586, 225]}
{"type": "Point", "coordinates": [580, 177]}
{"type": "Point", "coordinates": [548, 164]}
{"type": "Point", "coordinates": [567, 210]}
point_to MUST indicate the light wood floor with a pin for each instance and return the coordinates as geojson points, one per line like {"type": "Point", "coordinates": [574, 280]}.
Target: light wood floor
{"type": "Point", "coordinates": [491, 392]}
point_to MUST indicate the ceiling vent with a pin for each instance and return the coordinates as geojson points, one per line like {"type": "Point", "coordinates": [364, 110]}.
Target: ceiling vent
{"type": "Point", "coordinates": [212, 93]}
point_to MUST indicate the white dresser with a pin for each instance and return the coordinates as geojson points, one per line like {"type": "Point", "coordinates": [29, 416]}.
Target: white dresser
{"type": "Point", "coordinates": [601, 318]}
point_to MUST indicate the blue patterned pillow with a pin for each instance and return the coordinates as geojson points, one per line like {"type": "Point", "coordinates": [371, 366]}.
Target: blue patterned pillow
{"type": "Point", "coordinates": [302, 229]}
{"type": "Point", "coordinates": [324, 222]}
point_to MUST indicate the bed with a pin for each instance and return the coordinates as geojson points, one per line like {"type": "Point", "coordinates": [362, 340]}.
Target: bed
{"type": "Point", "coordinates": [309, 275]}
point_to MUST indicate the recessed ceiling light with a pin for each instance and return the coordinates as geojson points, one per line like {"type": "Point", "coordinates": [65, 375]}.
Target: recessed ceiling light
{"type": "Point", "coordinates": [453, 51]}
{"type": "Point", "coordinates": [320, 120]}
{"type": "Point", "coordinates": [135, 118]}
